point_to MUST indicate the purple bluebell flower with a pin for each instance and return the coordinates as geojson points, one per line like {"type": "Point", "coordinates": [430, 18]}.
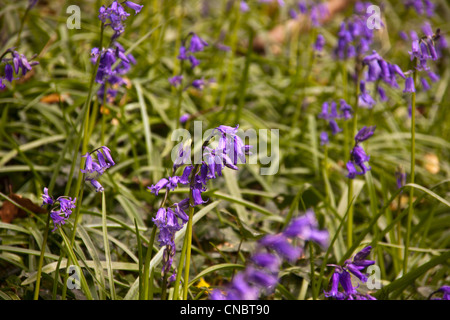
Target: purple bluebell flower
{"type": "Point", "coordinates": [425, 85]}
{"type": "Point", "coordinates": [354, 38]}
{"type": "Point", "coordinates": [57, 219]}
{"type": "Point", "coordinates": [158, 186]}
{"type": "Point", "coordinates": [280, 244]}
{"type": "Point", "coordinates": [320, 43]}
{"type": "Point", "coordinates": [184, 179]}
{"type": "Point", "coordinates": [197, 44]}
{"type": "Point", "coordinates": [94, 168]}
{"type": "Point", "coordinates": [197, 196]}
{"type": "Point", "coordinates": [324, 140]}
{"type": "Point", "coordinates": [358, 157]}
{"type": "Point", "coordinates": [136, 7]}
{"type": "Point", "coordinates": [198, 84]}
{"type": "Point", "coordinates": [400, 176]}
{"type": "Point", "coordinates": [365, 100]}
{"type": "Point", "coordinates": [267, 261]}
{"type": "Point", "coordinates": [342, 276]}
{"type": "Point", "coordinates": [261, 275]}
{"type": "Point", "coordinates": [403, 35]}
{"type": "Point", "coordinates": [364, 133]}
{"type": "Point", "coordinates": [433, 76]}
{"type": "Point", "coordinates": [18, 63]}
{"type": "Point", "coordinates": [176, 80]}
{"type": "Point", "coordinates": [325, 111]}
{"type": "Point", "coordinates": [194, 61]}
{"type": "Point", "coordinates": [345, 109]}
{"type": "Point", "coordinates": [334, 127]}
{"type": "Point", "coordinates": [334, 291]}
{"type": "Point", "coordinates": [409, 85]}
{"type": "Point", "coordinates": [67, 204]}
{"type": "Point", "coordinates": [46, 198]}
{"type": "Point", "coordinates": [9, 72]}
{"type": "Point", "coordinates": [61, 208]}
{"type": "Point", "coordinates": [262, 279]}
{"type": "Point", "coordinates": [183, 53]}
{"type": "Point", "coordinates": [243, 6]}
{"type": "Point", "coordinates": [306, 228]}
{"type": "Point", "coordinates": [382, 94]}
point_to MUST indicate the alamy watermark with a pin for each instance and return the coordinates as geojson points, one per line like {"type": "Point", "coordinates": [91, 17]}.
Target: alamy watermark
{"type": "Point", "coordinates": [373, 280]}
{"type": "Point", "coordinates": [73, 281]}
{"type": "Point", "coordinates": [74, 21]}
{"type": "Point", "coordinates": [374, 20]}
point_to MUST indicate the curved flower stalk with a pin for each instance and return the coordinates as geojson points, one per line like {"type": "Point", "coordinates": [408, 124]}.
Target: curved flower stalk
{"type": "Point", "coordinates": [379, 71]}
{"type": "Point", "coordinates": [445, 290]}
{"type": "Point", "coordinates": [170, 219]}
{"type": "Point", "coordinates": [343, 276]}
{"type": "Point", "coordinates": [15, 65]}
{"type": "Point", "coordinates": [61, 208]}
{"type": "Point", "coordinates": [262, 274]}
{"type": "Point", "coordinates": [111, 78]}
{"type": "Point", "coordinates": [94, 168]}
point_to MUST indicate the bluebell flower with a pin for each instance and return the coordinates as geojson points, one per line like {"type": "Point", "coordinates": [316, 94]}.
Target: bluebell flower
{"type": "Point", "coordinates": [409, 85]}
{"type": "Point", "coordinates": [61, 208]}
{"type": "Point", "coordinates": [400, 176]}
{"type": "Point", "coordinates": [365, 100]}
{"type": "Point", "coordinates": [176, 80]}
{"type": "Point", "coordinates": [342, 276]}
{"type": "Point", "coordinates": [183, 53]}
{"type": "Point", "coordinates": [320, 43]}
{"type": "Point", "coordinates": [306, 228]}
{"type": "Point", "coordinates": [358, 157]}
{"type": "Point", "coordinates": [94, 168]}
{"type": "Point", "coordinates": [136, 7]}
{"type": "Point", "coordinates": [345, 109]}
{"type": "Point", "coordinates": [262, 273]}
{"type": "Point", "coordinates": [198, 84]}
{"type": "Point", "coordinates": [324, 140]}
{"type": "Point", "coordinates": [364, 133]}
{"type": "Point", "coordinates": [57, 220]}
{"type": "Point", "coordinates": [334, 127]}
{"type": "Point", "coordinates": [46, 198]}
{"type": "Point", "coordinates": [158, 186]}
{"type": "Point", "coordinates": [197, 44]}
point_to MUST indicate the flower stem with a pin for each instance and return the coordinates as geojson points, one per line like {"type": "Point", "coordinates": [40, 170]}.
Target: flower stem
{"type": "Point", "coordinates": [189, 232]}
{"type": "Point", "coordinates": [107, 251]}
{"type": "Point", "coordinates": [41, 259]}
{"type": "Point", "coordinates": [413, 162]}
{"type": "Point", "coordinates": [350, 181]}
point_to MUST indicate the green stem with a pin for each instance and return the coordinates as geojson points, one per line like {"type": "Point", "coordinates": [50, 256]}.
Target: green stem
{"type": "Point", "coordinates": [148, 258]}
{"type": "Point", "coordinates": [350, 181]}
{"type": "Point", "coordinates": [413, 163]}
{"type": "Point", "coordinates": [22, 23]}
{"type": "Point", "coordinates": [107, 250]}
{"type": "Point", "coordinates": [188, 249]}
{"type": "Point", "coordinates": [179, 270]}
{"type": "Point", "coordinates": [234, 40]}
{"type": "Point", "coordinates": [244, 79]}
{"type": "Point", "coordinates": [298, 109]}
{"type": "Point", "coordinates": [41, 259]}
